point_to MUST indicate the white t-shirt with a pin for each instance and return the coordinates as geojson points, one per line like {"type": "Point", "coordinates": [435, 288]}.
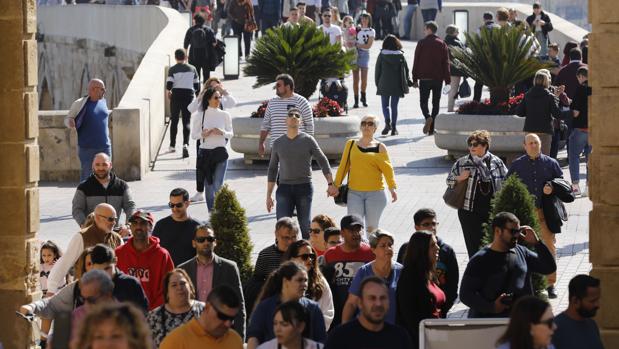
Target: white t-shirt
{"type": "Point", "coordinates": [333, 31]}
{"type": "Point", "coordinates": [538, 26]}
{"type": "Point", "coordinates": [364, 35]}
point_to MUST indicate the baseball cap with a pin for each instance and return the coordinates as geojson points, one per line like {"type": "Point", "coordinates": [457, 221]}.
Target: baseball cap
{"type": "Point", "coordinates": [350, 221]}
{"type": "Point", "coordinates": [143, 215]}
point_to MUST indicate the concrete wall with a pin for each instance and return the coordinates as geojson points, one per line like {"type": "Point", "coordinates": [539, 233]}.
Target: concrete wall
{"type": "Point", "coordinates": [563, 32]}
{"type": "Point", "coordinates": [147, 34]}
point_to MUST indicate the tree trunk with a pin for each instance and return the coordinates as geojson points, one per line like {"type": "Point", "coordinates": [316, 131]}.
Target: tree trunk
{"type": "Point", "coordinates": [499, 95]}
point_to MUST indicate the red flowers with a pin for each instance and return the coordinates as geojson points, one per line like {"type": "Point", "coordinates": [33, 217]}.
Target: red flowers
{"type": "Point", "coordinates": [261, 110]}
{"type": "Point", "coordinates": [327, 107]}
{"type": "Point", "coordinates": [486, 108]}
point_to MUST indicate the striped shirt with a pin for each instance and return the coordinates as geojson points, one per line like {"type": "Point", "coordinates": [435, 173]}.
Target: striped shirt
{"type": "Point", "coordinates": [268, 260]}
{"type": "Point", "coordinates": [183, 76]}
{"type": "Point", "coordinates": [277, 111]}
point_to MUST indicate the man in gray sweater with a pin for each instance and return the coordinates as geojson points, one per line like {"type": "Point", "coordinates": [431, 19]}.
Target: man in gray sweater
{"type": "Point", "coordinates": [292, 154]}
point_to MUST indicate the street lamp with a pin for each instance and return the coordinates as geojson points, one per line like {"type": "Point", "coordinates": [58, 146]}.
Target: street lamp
{"type": "Point", "coordinates": [231, 58]}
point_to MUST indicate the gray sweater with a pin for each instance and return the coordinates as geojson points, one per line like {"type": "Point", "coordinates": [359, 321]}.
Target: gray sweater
{"type": "Point", "coordinates": [294, 157]}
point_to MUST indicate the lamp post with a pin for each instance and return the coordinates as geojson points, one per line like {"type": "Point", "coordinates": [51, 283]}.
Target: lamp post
{"type": "Point", "coordinates": [231, 58]}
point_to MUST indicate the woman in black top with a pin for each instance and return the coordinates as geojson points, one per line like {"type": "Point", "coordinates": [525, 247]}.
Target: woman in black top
{"type": "Point", "coordinates": [451, 39]}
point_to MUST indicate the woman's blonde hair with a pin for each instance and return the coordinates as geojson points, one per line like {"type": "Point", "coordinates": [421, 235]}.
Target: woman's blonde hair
{"type": "Point", "coordinates": [542, 78]}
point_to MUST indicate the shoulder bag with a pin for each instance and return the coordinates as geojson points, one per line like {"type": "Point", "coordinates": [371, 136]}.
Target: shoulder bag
{"type": "Point", "coordinates": [454, 197]}
{"type": "Point", "coordinates": [342, 197]}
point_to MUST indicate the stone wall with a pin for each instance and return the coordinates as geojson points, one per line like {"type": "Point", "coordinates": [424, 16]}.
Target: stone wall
{"type": "Point", "coordinates": [604, 162]}
{"type": "Point", "coordinates": [19, 195]}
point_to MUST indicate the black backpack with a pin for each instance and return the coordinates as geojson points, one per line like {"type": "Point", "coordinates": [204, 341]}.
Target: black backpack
{"type": "Point", "coordinates": [216, 54]}
{"type": "Point", "coordinates": [198, 38]}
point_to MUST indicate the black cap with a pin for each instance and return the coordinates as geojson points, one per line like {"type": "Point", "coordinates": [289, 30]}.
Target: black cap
{"type": "Point", "coordinates": [350, 221]}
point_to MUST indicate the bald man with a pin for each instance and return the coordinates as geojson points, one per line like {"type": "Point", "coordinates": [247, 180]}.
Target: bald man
{"type": "Point", "coordinates": [100, 232]}
{"type": "Point", "coordinates": [102, 186]}
{"type": "Point", "coordinates": [89, 116]}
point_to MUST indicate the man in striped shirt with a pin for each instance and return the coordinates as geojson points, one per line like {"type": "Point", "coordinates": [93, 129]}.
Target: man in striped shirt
{"type": "Point", "coordinates": [274, 122]}
{"type": "Point", "coordinates": [182, 84]}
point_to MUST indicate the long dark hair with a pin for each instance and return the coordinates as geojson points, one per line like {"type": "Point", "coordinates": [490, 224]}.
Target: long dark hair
{"type": "Point", "coordinates": [294, 313]}
{"type": "Point", "coordinates": [207, 97]}
{"type": "Point", "coordinates": [527, 310]}
{"type": "Point", "coordinates": [275, 282]}
{"type": "Point", "coordinates": [417, 259]}
{"type": "Point", "coordinates": [315, 288]}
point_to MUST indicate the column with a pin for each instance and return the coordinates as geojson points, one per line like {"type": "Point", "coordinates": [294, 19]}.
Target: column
{"type": "Point", "coordinates": [19, 155]}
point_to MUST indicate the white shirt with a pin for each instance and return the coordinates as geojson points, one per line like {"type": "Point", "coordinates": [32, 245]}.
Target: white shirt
{"type": "Point", "coordinates": [326, 303]}
{"type": "Point", "coordinates": [213, 118]}
{"type": "Point", "coordinates": [333, 31]}
{"type": "Point", "coordinates": [364, 35]}
{"type": "Point", "coordinates": [58, 273]}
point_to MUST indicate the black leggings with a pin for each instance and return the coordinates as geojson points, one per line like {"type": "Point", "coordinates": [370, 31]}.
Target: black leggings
{"type": "Point", "coordinates": [471, 223]}
{"type": "Point", "coordinates": [200, 176]}
{"type": "Point", "coordinates": [238, 30]}
{"type": "Point", "coordinates": [178, 105]}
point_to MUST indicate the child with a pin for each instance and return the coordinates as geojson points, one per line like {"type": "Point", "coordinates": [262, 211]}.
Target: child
{"type": "Point", "coordinates": [349, 33]}
{"type": "Point", "coordinates": [50, 253]}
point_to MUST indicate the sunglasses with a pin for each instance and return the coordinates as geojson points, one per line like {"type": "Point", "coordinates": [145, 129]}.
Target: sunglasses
{"type": "Point", "coordinates": [550, 322]}
{"type": "Point", "coordinates": [217, 97]}
{"type": "Point", "coordinates": [367, 123]}
{"type": "Point", "coordinates": [178, 205]}
{"type": "Point", "coordinates": [474, 144]}
{"type": "Point", "coordinates": [326, 15]}
{"type": "Point", "coordinates": [201, 239]}
{"type": "Point", "coordinates": [294, 115]}
{"type": "Point", "coordinates": [514, 231]}
{"type": "Point", "coordinates": [307, 256]}
{"type": "Point", "coordinates": [315, 231]}
{"type": "Point", "coordinates": [109, 219]}
{"type": "Point", "coordinates": [223, 316]}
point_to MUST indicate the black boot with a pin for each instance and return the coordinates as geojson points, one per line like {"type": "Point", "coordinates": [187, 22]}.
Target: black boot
{"type": "Point", "coordinates": [356, 102]}
{"type": "Point", "coordinates": [363, 100]}
{"type": "Point", "coordinates": [385, 130]}
{"type": "Point", "coordinates": [394, 131]}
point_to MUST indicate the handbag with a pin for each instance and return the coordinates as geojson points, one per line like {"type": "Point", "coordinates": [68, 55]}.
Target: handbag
{"type": "Point", "coordinates": [464, 90]}
{"type": "Point", "coordinates": [250, 25]}
{"type": "Point", "coordinates": [454, 197]}
{"type": "Point", "coordinates": [341, 199]}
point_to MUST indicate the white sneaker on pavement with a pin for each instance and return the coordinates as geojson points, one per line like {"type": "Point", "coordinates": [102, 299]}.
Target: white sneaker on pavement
{"type": "Point", "coordinates": [197, 197]}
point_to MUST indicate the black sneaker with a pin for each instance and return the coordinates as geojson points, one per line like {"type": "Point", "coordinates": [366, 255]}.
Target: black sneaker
{"type": "Point", "coordinates": [185, 151]}
{"type": "Point", "coordinates": [552, 294]}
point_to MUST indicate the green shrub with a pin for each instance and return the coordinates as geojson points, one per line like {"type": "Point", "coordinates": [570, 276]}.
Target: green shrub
{"type": "Point", "coordinates": [231, 231]}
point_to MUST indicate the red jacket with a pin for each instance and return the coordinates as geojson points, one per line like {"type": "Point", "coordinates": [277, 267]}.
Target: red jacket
{"type": "Point", "coordinates": [149, 267]}
{"type": "Point", "coordinates": [431, 60]}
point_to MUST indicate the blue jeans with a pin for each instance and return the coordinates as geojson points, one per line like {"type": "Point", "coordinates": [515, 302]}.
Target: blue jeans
{"type": "Point", "coordinates": [543, 42]}
{"type": "Point", "coordinates": [429, 15]}
{"type": "Point", "coordinates": [369, 205]}
{"type": "Point", "coordinates": [86, 156]}
{"type": "Point", "coordinates": [408, 19]}
{"type": "Point", "coordinates": [384, 100]}
{"type": "Point", "coordinates": [579, 142]}
{"type": "Point", "coordinates": [219, 175]}
{"type": "Point", "coordinates": [299, 196]}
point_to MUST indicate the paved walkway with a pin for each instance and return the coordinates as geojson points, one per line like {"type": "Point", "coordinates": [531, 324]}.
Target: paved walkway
{"type": "Point", "coordinates": [420, 174]}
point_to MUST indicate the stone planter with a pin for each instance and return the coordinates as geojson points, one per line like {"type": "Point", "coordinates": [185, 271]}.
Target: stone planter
{"type": "Point", "coordinates": [331, 133]}
{"type": "Point", "coordinates": [451, 131]}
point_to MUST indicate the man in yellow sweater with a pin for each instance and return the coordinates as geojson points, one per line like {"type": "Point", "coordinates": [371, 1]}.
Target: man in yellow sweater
{"type": "Point", "coordinates": [212, 329]}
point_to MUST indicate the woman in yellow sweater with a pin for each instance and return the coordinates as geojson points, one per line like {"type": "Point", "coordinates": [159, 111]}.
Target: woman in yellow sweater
{"type": "Point", "coordinates": [368, 164]}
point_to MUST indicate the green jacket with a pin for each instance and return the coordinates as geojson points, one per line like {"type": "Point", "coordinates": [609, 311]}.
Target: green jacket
{"type": "Point", "coordinates": [391, 74]}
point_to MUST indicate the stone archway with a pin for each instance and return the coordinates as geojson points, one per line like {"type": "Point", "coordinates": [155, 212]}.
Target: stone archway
{"type": "Point", "coordinates": [19, 195]}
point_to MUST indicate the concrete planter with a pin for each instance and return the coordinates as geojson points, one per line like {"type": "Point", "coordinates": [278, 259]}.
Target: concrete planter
{"type": "Point", "coordinates": [451, 131]}
{"type": "Point", "coordinates": [330, 132]}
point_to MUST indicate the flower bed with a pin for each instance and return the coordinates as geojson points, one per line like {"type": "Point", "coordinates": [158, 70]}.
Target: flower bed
{"type": "Point", "coordinates": [324, 108]}
{"type": "Point", "coordinates": [486, 108]}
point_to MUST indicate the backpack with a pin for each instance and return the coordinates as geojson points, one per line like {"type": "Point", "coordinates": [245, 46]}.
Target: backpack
{"type": "Point", "coordinates": [216, 56]}
{"type": "Point", "coordinates": [198, 38]}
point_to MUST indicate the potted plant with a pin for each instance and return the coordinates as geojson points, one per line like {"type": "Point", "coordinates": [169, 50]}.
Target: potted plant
{"type": "Point", "coordinates": [498, 58]}
{"type": "Point", "coordinates": [302, 51]}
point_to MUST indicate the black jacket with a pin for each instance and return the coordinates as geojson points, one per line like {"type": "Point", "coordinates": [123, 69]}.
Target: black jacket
{"type": "Point", "coordinates": [128, 289]}
{"type": "Point", "coordinates": [552, 205]}
{"type": "Point", "coordinates": [539, 106]}
{"type": "Point", "coordinates": [546, 28]}
{"type": "Point", "coordinates": [453, 41]}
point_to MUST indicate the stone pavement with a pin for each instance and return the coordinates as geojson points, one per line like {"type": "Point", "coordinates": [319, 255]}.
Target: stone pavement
{"type": "Point", "coordinates": [420, 169]}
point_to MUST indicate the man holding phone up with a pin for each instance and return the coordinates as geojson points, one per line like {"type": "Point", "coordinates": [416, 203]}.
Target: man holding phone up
{"type": "Point", "coordinates": [500, 273]}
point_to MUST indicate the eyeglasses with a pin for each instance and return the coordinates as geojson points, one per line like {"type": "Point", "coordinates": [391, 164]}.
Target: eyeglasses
{"type": "Point", "coordinates": [334, 243]}
{"type": "Point", "coordinates": [307, 256]}
{"type": "Point", "coordinates": [550, 322]}
{"type": "Point", "coordinates": [294, 115]}
{"type": "Point", "coordinates": [177, 205]}
{"type": "Point", "coordinates": [223, 316]}
{"type": "Point", "coordinates": [201, 239]}
{"type": "Point", "coordinates": [315, 231]}
{"type": "Point", "coordinates": [109, 219]}
{"type": "Point", "coordinates": [367, 123]}
{"type": "Point", "coordinates": [474, 144]}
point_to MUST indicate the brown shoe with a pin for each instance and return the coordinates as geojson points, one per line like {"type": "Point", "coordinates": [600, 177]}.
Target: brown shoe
{"type": "Point", "coordinates": [428, 125]}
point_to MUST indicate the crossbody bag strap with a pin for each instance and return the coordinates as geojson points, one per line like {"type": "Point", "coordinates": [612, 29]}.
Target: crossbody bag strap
{"type": "Point", "coordinates": [348, 161]}
{"type": "Point", "coordinates": [202, 125]}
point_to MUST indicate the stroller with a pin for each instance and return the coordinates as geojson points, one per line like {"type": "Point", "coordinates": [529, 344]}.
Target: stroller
{"type": "Point", "coordinates": [335, 89]}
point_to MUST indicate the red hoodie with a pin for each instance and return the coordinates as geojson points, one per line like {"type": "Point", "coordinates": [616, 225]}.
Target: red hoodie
{"type": "Point", "coordinates": [149, 267]}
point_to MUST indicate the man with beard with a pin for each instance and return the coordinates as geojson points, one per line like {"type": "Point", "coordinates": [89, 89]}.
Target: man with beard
{"type": "Point", "coordinates": [100, 232]}
{"type": "Point", "coordinates": [500, 273]}
{"type": "Point", "coordinates": [370, 330]}
{"type": "Point", "coordinates": [276, 113]}
{"type": "Point", "coordinates": [143, 257]}
{"type": "Point", "coordinates": [343, 261]}
{"type": "Point", "coordinates": [208, 270]}
{"type": "Point", "coordinates": [575, 326]}
{"type": "Point", "coordinates": [102, 186]}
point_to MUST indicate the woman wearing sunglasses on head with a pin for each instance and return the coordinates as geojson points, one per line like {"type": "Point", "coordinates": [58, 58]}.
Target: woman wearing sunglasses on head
{"type": "Point", "coordinates": [318, 289]}
{"type": "Point", "coordinates": [531, 325]}
{"type": "Point", "coordinates": [365, 161]}
{"type": "Point", "coordinates": [483, 174]}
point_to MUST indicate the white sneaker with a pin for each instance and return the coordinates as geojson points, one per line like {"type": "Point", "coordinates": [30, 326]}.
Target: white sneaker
{"type": "Point", "coordinates": [585, 192]}
{"type": "Point", "coordinates": [171, 150]}
{"type": "Point", "coordinates": [197, 197]}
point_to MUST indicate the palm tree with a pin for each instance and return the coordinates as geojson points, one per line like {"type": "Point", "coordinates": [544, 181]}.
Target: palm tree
{"type": "Point", "coordinates": [302, 51]}
{"type": "Point", "coordinates": [499, 58]}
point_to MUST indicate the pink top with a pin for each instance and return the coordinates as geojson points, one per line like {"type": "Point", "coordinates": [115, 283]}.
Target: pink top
{"type": "Point", "coordinates": [204, 280]}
